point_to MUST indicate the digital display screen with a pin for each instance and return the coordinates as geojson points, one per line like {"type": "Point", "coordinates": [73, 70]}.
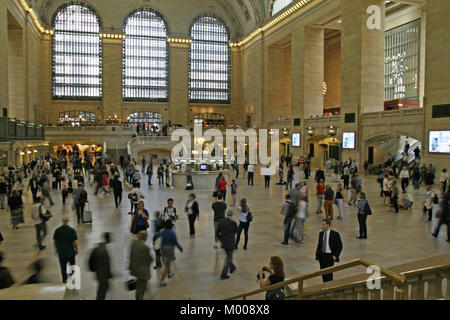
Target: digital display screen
{"type": "Point", "coordinates": [296, 139]}
{"type": "Point", "coordinates": [348, 140]}
{"type": "Point", "coordinates": [439, 142]}
{"type": "Point", "coordinates": [203, 167]}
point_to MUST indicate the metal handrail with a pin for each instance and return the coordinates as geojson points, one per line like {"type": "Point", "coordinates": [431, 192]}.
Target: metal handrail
{"type": "Point", "coordinates": [407, 274]}
{"type": "Point", "coordinates": [398, 278]}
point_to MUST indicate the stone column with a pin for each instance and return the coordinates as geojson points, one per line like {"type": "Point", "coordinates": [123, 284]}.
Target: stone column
{"type": "Point", "coordinates": [362, 67]}
{"type": "Point", "coordinates": [112, 80]}
{"type": "Point", "coordinates": [437, 77]}
{"type": "Point", "coordinates": [313, 72]}
{"type": "Point", "coordinates": [3, 56]}
{"type": "Point", "coordinates": [179, 83]}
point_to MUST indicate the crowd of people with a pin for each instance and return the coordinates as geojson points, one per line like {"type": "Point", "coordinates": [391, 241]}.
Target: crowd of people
{"type": "Point", "coordinates": [69, 174]}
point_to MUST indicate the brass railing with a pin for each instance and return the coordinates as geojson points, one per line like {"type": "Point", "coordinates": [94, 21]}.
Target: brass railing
{"type": "Point", "coordinates": [397, 278]}
{"type": "Point", "coordinates": [415, 278]}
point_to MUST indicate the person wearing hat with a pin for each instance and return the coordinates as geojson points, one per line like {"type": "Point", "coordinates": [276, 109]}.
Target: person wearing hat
{"type": "Point", "coordinates": [226, 232]}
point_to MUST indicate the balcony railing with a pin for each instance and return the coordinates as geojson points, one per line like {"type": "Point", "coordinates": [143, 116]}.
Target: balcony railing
{"type": "Point", "coordinates": [14, 129]}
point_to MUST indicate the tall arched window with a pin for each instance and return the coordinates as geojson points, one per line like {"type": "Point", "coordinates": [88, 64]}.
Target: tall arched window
{"type": "Point", "coordinates": [279, 5]}
{"type": "Point", "coordinates": [145, 57]}
{"type": "Point", "coordinates": [77, 53]}
{"type": "Point", "coordinates": [209, 61]}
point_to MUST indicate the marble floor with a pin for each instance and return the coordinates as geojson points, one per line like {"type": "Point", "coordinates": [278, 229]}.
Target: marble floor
{"type": "Point", "coordinates": [393, 240]}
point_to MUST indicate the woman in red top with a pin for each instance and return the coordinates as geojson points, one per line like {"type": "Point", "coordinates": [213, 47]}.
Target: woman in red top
{"type": "Point", "coordinates": [223, 187]}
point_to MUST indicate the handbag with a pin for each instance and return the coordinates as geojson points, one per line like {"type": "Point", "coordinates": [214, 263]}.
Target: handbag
{"type": "Point", "coordinates": [249, 217]}
{"type": "Point", "coordinates": [131, 285]}
{"type": "Point", "coordinates": [275, 294]}
{"type": "Point", "coordinates": [215, 193]}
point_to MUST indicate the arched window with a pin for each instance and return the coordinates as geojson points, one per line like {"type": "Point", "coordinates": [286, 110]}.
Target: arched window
{"type": "Point", "coordinates": [145, 57]}
{"type": "Point", "coordinates": [146, 117]}
{"type": "Point", "coordinates": [77, 56]}
{"type": "Point", "coordinates": [210, 120]}
{"type": "Point", "coordinates": [209, 61]}
{"type": "Point", "coordinates": [279, 5]}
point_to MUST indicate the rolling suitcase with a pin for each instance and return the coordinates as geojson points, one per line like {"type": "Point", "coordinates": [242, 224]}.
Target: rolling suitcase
{"type": "Point", "coordinates": [87, 215]}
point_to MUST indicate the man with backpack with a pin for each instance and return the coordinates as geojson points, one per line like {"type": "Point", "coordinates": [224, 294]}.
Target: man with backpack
{"type": "Point", "coordinates": [100, 263]}
{"type": "Point", "coordinates": [40, 216]}
{"type": "Point", "coordinates": [79, 200]}
{"type": "Point", "coordinates": [289, 211]}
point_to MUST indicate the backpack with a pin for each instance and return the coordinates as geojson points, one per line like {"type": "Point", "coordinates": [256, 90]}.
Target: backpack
{"type": "Point", "coordinates": [91, 262]}
{"type": "Point", "coordinates": [275, 294]}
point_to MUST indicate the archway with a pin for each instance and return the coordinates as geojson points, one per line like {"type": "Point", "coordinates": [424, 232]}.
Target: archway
{"type": "Point", "coordinates": [321, 148]}
{"type": "Point", "coordinates": [377, 149]}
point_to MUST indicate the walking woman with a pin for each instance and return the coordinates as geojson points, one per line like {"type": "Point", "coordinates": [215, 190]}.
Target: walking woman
{"type": "Point", "coordinates": [363, 212]}
{"type": "Point", "coordinates": [192, 211]}
{"type": "Point", "coordinates": [245, 217]}
{"type": "Point", "coordinates": [15, 204]}
{"type": "Point", "coordinates": [140, 218]}
{"type": "Point", "coordinates": [339, 201]}
{"type": "Point", "coordinates": [298, 230]}
{"type": "Point", "coordinates": [18, 185]}
{"type": "Point", "coordinates": [168, 242]}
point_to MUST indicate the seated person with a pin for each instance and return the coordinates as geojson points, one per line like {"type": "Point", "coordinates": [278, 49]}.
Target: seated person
{"type": "Point", "coordinates": [276, 274]}
{"type": "Point", "coordinates": [405, 201]}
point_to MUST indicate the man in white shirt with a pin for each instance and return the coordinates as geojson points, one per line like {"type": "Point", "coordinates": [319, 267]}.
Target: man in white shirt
{"type": "Point", "coordinates": [386, 189]}
{"type": "Point", "coordinates": [267, 173]}
{"type": "Point", "coordinates": [404, 176]}
{"type": "Point", "coordinates": [40, 215]}
{"type": "Point", "coordinates": [250, 170]}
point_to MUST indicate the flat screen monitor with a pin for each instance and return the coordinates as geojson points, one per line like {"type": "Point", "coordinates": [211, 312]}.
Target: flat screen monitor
{"type": "Point", "coordinates": [439, 142]}
{"type": "Point", "coordinates": [296, 139]}
{"type": "Point", "coordinates": [203, 167]}
{"type": "Point", "coordinates": [348, 140]}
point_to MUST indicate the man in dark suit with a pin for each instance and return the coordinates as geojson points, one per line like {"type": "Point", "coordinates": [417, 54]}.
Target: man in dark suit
{"type": "Point", "coordinates": [226, 232]}
{"type": "Point", "coordinates": [140, 260]}
{"type": "Point", "coordinates": [101, 265]}
{"type": "Point", "coordinates": [328, 249]}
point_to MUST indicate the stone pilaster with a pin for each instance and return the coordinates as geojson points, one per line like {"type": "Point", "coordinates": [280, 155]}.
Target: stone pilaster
{"type": "Point", "coordinates": [179, 83]}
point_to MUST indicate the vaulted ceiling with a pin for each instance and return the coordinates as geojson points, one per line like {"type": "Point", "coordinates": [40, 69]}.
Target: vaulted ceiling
{"type": "Point", "coordinates": [242, 16]}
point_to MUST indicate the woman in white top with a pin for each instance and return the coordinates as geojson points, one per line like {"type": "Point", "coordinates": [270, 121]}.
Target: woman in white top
{"type": "Point", "coordinates": [18, 185]}
{"type": "Point", "coordinates": [404, 177]}
{"type": "Point", "coordinates": [245, 217]}
{"type": "Point", "coordinates": [298, 233]}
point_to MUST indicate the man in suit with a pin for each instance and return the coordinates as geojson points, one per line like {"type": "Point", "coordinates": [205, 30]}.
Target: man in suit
{"type": "Point", "coordinates": [102, 266]}
{"type": "Point", "coordinates": [328, 249]}
{"type": "Point", "coordinates": [226, 232]}
{"type": "Point", "coordinates": [140, 261]}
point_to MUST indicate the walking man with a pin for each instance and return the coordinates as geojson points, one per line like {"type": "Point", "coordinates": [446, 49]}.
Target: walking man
{"type": "Point", "coordinates": [219, 208]}
{"type": "Point", "coordinates": [140, 261]}
{"type": "Point", "coordinates": [66, 243]}
{"type": "Point", "coordinates": [250, 171]}
{"type": "Point", "coordinates": [100, 263]}
{"type": "Point", "coordinates": [226, 232]}
{"type": "Point", "coordinates": [40, 216]}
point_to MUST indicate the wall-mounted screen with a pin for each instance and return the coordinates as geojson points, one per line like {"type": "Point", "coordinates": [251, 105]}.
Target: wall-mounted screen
{"type": "Point", "coordinates": [296, 139]}
{"type": "Point", "coordinates": [203, 167]}
{"type": "Point", "coordinates": [439, 141]}
{"type": "Point", "coordinates": [348, 140]}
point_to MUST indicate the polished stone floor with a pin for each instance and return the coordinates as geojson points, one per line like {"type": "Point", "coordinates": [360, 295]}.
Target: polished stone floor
{"type": "Point", "coordinates": [393, 240]}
